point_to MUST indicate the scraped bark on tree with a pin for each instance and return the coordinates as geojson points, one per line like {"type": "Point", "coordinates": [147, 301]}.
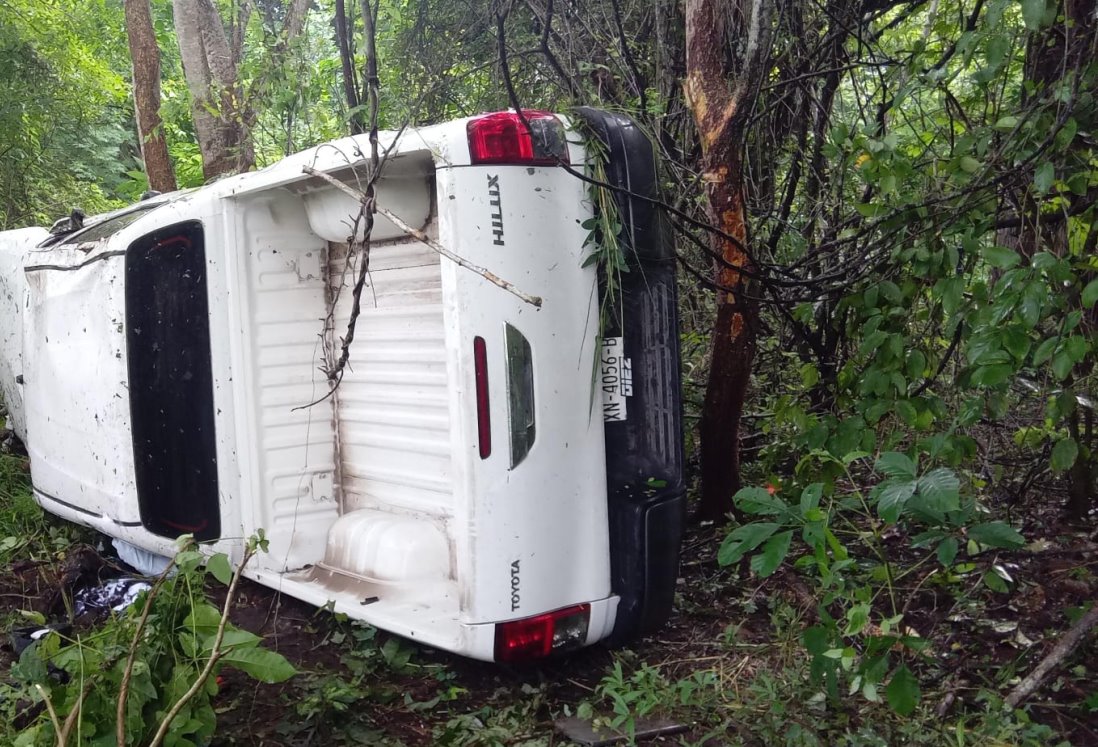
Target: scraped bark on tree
{"type": "Point", "coordinates": [145, 55]}
{"type": "Point", "coordinates": [720, 89]}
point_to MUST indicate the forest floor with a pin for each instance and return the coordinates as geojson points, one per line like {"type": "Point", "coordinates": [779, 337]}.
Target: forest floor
{"type": "Point", "coordinates": [728, 667]}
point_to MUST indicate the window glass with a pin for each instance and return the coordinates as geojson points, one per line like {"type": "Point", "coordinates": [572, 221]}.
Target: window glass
{"type": "Point", "coordinates": [110, 226]}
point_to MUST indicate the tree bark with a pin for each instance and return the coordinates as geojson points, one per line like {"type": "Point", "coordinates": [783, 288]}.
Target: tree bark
{"type": "Point", "coordinates": [1052, 56]}
{"type": "Point", "coordinates": [217, 105]}
{"type": "Point", "coordinates": [1061, 651]}
{"type": "Point", "coordinates": [145, 55]}
{"type": "Point", "coordinates": [347, 67]}
{"type": "Point", "coordinates": [719, 98]}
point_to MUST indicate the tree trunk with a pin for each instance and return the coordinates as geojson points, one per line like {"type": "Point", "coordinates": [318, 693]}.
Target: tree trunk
{"type": "Point", "coordinates": [719, 100]}
{"type": "Point", "coordinates": [347, 68]}
{"type": "Point", "coordinates": [145, 55]}
{"type": "Point", "coordinates": [216, 101]}
{"type": "Point", "coordinates": [1052, 55]}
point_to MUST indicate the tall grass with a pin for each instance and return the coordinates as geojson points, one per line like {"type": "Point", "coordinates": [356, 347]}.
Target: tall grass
{"type": "Point", "coordinates": [22, 522]}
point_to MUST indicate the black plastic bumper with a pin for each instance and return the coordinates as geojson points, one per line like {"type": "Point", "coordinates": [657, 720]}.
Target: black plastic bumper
{"type": "Point", "coordinates": [644, 452]}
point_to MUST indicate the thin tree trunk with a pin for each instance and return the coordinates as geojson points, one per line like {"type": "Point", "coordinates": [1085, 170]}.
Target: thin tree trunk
{"type": "Point", "coordinates": [719, 100]}
{"type": "Point", "coordinates": [216, 102]}
{"type": "Point", "coordinates": [145, 56]}
{"type": "Point", "coordinates": [733, 338]}
{"type": "Point", "coordinates": [347, 66]}
{"type": "Point", "coordinates": [1053, 56]}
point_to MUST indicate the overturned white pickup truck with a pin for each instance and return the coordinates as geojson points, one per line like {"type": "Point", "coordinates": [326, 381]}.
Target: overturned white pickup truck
{"type": "Point", "coordinates": [479, 481]}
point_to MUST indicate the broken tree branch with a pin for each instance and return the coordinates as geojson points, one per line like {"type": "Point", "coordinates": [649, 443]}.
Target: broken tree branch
{"type": "Point", "coordinates": [425, 239]}
{"type": "Point", "coordinates": [367, 203]}
{"type": "Point", "coordinates": [1062, 650]}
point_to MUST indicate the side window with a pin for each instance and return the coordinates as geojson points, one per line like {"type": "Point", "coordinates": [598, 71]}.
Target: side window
{"type": "Point", "coordinates": [171, 383]}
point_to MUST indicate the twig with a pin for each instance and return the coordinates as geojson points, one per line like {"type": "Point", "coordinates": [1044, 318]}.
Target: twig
{"type": "Point", "coordinates": [127, 673]}
{"type": "Point", "coordinates": [365, 213]}
{"type": "Point", "coordinates": [53, 713]}
{"type": "Point", "coordinates": [215, 655]}
{"type": "Point", "coordinates": [425, 239]}
{"type": "Point", "coordinates": [74, 714]}
{"type": "Point", "coordinates": [366, 210]}
{"type": "Point", "coordinates": [1062, 650]}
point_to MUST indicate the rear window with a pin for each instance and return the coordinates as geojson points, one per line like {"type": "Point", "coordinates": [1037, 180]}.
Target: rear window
{"type": "Point", "coordinates": [110, 226]}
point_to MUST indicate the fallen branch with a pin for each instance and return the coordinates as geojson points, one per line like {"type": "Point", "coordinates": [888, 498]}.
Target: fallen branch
{"type": "Point", "coordinates": [425, 239]}
{"type": "Point", "coordinates": [1062, 650]}
{"type": "Point", "coordinates": [366, 214]}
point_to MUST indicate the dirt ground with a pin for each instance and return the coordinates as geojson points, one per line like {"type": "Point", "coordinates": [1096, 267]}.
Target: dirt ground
{"type": "Point", "coordinates": [357, 685]}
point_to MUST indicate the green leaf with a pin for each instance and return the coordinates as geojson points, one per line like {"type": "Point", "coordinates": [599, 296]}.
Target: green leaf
{"type": "Point", "coordinates": [1064, 454]}
{"type": "Point", "coordinates": [903, 691]}
{"type": "Point", "coordinates": [896, 464]}
{"type": "Point", "coordinates": [1006, 124]}
{"type": "Point", "coordinates": [857, 618]}
{"type": "Point", "coordinates": [233, 638]}
{"type": "Point", "coordinates": [188, 560]}
{"type": "Point", "coordinates": [1075, 347]}
{"type": "Point", "coordinates": [1061, 364]}
{"type": "Point", "coordinates": [772, 555]}
{"type": "Point", "coordinates": [261, 664]}
{"type": "Point", "coordinates": [1090, 293]}
{"type": "Point", "coordinates": [893, 497]}
{"type": "Point", "coordinates": [743, 540]}
{"type": "Point", "coordinates": [1016, 341]}
{"type": "Point", "coordinates": [1033, 302]}
{"type": "Point", "coordinates": [204, 619]}
{"type": "Point", "coordinates": [1044, 178]}
{"type": "Point", "coordinates": [218, 566]}
{"type": "Point", "coordinates": [947, 551]}
{"type": "Point", "coordinates": [396, 653]}
{"type": "Point", "coordinates": [916, 364]}
{"type": "Point", "coordinates": [940, 485]}
{"type": "Point", "coordinates": [35, 618]}
{"type": "Point", "coordinates": [996, 534]}
{"type": "Point", "coordinates": [906, 411]}
{"type": "Point", "coordinates": [810, 375]}
{"type": "Point", "coordinates": [759, 501]}
{"type": "Point", "coordinates": [810, 497]}
{"type": "Point", "coordinates": [995, 582]}
{"type": "Point", "coordinates": [1001, 257]}
{"type": "Point", "coordinates": [1044, 350]}
{"type": "Point", "coordinates": [816, 639]}
{"type": "Point", "coordinates": [1067, 133]}
{"type": "Point", "coordinates": [870, 210]}
{"type": "Point", "coordinates": [991, 376]}
{"type": "Point", "coordinates": [969, 165]}
{"type": "Point", "coordinates": [1033, 14]}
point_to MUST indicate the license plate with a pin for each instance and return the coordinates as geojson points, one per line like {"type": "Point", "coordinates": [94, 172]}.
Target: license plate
{"type": "Point", "coordinates": [616, 380]}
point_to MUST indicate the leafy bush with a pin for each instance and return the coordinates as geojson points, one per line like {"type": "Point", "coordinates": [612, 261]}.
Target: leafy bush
{"type": "Point", "coordinates": [861, 635]}
{"type": "Point", "coordinates": [148, 673]}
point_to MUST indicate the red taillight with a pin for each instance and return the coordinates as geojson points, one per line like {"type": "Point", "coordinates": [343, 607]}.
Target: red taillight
{"type": "Point", "coordinates": [503, 138]}
{"type": "Point", "coordinates": [537, 637]}
{"type": "Point", "coordinates": [484, 420]}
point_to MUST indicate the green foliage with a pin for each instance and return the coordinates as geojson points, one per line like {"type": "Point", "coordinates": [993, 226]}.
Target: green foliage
{"type": "Point", "coordinates": [170, 633]}
{"type": "Point", "coordinates": [967, 191]}
{"type": "Point", "coordinates": [645, 693]}
{"type": "Point", "coordinates": [63, 143]}
{"type": "Point", "coordinates": [929, 507]}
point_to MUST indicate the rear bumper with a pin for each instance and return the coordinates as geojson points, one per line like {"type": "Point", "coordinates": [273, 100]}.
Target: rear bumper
{"type": "Point", "coordinates": [644, 451]}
